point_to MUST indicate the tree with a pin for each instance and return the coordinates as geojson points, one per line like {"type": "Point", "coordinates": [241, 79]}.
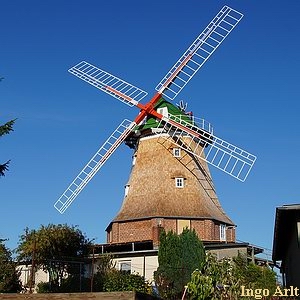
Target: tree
{"type": "Point", "coordinates": [5, 129]}
{"type": "Point", "coordinates": [254, 276]}
{"type": "Point", "coordinates": [223, 279]}
{"type": "Point", "coordinates": [9, 276]}
{"type": "Point", "coordinates": [178, 257]}
{"type": "Point", "coordinates": [56, 249]}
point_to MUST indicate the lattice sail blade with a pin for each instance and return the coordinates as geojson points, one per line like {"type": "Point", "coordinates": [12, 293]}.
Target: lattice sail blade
{"type": "Point", "coordinates": [203, 144]}
{"type": "Point", "coordinates": [199, 52]}
{"type": "Point", "coordinates": [108, 83]}
{"type": "Point", "coordinates": [93, 166]}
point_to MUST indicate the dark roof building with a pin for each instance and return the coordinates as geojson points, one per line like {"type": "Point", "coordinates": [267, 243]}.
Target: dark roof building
{"type": "Point", "coordinates": [286, 243]}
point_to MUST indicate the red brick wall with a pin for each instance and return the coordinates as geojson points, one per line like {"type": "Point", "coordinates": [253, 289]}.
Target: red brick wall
{"type": "Point", "coordinates": [131, 231]}
{"type": "Point", "coordinates": [230, 234]}
{"type": "Point", "coordinates": [142, 230]}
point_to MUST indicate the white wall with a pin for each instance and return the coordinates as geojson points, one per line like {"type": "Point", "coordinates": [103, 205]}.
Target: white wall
{"type": "Point", "coordinates": [144, 265]}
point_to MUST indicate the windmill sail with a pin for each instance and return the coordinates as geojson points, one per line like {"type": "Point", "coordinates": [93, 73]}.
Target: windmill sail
{"type": "Point", "coordinates": [199, 52]}
{"type": "Point", "coordinates": [93, 166]}
{"type": "Point", "coordinates": [108, 83]}
{"type": "Point", "coordinates": [214, 150]}
{"type": "Point", "coordinates": [187, 135]}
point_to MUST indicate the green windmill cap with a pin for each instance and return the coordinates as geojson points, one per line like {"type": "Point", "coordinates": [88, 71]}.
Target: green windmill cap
{"type": "Point", "coordinates": [152, 122]}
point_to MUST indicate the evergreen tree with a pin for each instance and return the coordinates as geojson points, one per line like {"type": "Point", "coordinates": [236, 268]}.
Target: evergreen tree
{"type": "Point", "coordinates": [178, 257]}
{"type": "Point", "coordinates": [5, 129]}
{"type": "Point", "coordinates": [9, 277]}
{"type": "Point", "coordinates": [192, 254]}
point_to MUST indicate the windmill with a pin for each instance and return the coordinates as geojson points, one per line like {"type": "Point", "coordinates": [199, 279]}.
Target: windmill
{"type": "Point", "coordinates": [171, 127]}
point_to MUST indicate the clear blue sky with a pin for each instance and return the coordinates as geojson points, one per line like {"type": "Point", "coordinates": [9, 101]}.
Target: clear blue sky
{"type": "Point", "coordinates": [249, 91]}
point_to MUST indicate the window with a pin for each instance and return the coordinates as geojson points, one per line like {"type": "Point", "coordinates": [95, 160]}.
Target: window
{"type": "Point", "coordinates": [222, 232]}
{"type": "Point", "coordinates": [126, 189]}
{"type": "Point", "coordinates": [125, 266]}
{"type": "Point", "coordinates": [176, 152]}
{"type": "Point", "coordinates": [109, 235]}
{"type": "Point", "coordinates": [181, 224]}
{"type": "Point", "coordinates": [133, 159]}
{"type": "Point", "coordinates": [179, 182]}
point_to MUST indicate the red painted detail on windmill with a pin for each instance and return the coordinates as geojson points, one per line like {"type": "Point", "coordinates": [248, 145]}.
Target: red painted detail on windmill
{"type": "Point", "coordinates": [177, 71]}
{"type": "Point", "coordinates": [145, 109]}
{"type": "Point", "coordinates": [109, 88]}
{"type": "Point", "coordinates": [184, 128]}
{"type": "Point", "coordinates": [148, 109]}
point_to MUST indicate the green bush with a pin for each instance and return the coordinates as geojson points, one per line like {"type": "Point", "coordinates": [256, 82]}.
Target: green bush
{"type": "Point", "coordinates": [122, 281]}
{"type": "Point", "coordinates": [44, 287]}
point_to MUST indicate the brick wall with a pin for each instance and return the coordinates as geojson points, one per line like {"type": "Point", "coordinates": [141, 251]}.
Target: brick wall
{"type": "Point", "coordinates": [142, 230]}
{"type": "Point", "coordinates": [132, 231]}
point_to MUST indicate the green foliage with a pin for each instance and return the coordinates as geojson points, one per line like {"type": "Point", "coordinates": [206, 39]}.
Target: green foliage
{"type": "Point", "coordinates": [70, 284]}
{"type": "Point", "coordinates": [44, 287]}
{"type": "Point", "coordinates": [201, 286]}
{"type": "Point", "coordinates": [222, 279]}
{"type": "Point", "coordinates": [9, 277]}
{"type": "Point", "coordinates": [105, 265]}
{"type": "Point", "coordinates": [123, 281]}
{"type": "Point", "coordinates": [5, 129]}
{"type": "Point", "coordinates": [57, 249]}
{"type": "Point", "coordinates": [178, 257]}
{"type": "Point", "coordinates": [255, 277]}
{"type": "Point", "coordinates": [75, 283]}
{"type": "Point", "coordinates": [108, 279]}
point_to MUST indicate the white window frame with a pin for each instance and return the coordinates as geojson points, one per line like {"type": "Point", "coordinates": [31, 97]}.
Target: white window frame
{"type": "Point", "coordinates": [126, 190]}
{"type": "Point", "coordinates": [109, 235]}
{"type": "Point", "coordinates": [126, 263]}
{"type": "Point", "coordinates": [179, 182]}
{"type": "Point", "coordinates": [222, 232]}
{"type": "Point", "coordinates": [176, 152]}
{"type": "Point", "coordinates": [133, 159]}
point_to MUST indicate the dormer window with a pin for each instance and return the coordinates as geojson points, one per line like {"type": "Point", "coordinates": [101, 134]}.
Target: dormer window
{"type": "Point", "coordinates": [179, 182]}
{"type": "Point", "coordinates": [133, 159]}
{"type": "Point", "coordinates": [126, 190]}
{"type": "Point", "coordinates": [176, 152]}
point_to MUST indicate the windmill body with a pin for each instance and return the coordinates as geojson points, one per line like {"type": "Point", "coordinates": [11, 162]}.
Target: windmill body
{"type": "Point", "coordinates": [168, 188]}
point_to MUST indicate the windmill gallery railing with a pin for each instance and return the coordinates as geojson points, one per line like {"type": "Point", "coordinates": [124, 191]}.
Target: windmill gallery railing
{"type": "Point", "coordinates": [198, 123]}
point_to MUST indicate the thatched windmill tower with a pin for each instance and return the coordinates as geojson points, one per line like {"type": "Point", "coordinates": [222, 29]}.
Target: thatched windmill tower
{"type": "Point", "coordinates": [168, 188]}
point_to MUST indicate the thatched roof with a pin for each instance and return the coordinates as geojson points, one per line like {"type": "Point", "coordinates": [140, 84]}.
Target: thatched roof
{"type": "Point", "coordinates": [152, 191]}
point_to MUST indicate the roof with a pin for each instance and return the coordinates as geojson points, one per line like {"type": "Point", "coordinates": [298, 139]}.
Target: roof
{"type": "Point", "coordinates": [152, 192]}
{"type": "Point", "coordinates": [286, 218]}
{"type": "Point", "coordinates": [148, 247]}
{"type": "Point", "coordinates": [151, 122]}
